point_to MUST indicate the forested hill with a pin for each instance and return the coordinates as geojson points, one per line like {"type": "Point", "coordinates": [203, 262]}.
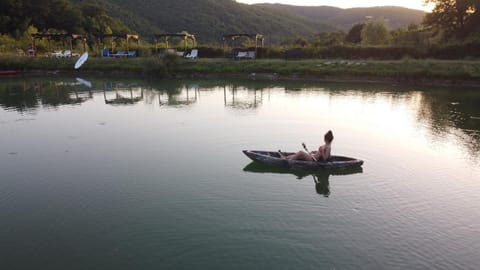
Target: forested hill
{"type": "Point", "coordinates": [209, 19]}
{"type": "Point", "coordinates": [344, 19]}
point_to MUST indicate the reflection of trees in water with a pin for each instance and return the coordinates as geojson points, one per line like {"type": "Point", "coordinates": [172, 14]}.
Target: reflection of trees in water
{"type": "Point", "coordinates": [27, 96]}
{"type": "Point", "coordinates": [242, 98]}
{"type": "Point", "coordinates": [320, 177]}
{"type": "Point", "coordinates": [453, 113]}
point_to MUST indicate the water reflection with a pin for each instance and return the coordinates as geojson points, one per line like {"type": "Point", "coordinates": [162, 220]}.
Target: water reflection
{"type": "Point", "coordinates": [320, 177]}
{"type": "Point", "coordinates": [124, 94]}
{"type": "Point", "coordinates": [241, 97]}
{"type": "Point", "coordinates": [26, 96]}
{"type": "Point", "coordinates": [445, 113]}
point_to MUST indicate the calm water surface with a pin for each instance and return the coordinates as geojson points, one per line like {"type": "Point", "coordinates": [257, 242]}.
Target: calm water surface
{"type": "Point", "coordinates": [112, 174]}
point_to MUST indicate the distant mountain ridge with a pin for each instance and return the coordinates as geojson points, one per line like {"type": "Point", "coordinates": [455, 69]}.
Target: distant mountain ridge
{"type": "Point", "coordinates": [344, 19]}
{"type": "Point", "coordinates": [210, 19]}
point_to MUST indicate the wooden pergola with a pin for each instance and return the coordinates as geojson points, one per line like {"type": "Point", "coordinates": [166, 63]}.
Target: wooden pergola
{"type": "Point", "coordinates": [126, 37]}
{"type": "Point", "coordinates": [231, 38]}
{"type": "Point", "coordinates": [167, 36]}
{"type": "Point", "coordinates": [57, 36]}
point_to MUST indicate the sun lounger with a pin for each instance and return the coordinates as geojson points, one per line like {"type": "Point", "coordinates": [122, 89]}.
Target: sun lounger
{"type": "Point", "coordinates": [120, 54]}
{"type": "Point", "coordinates": [67, 53]}
{"type": "Point", "coordinates": [241, 55]}
{"type": "Point", "coordinates": [105, 53]}
{"type": "Point", "coordinates": [180, 54]}
{"type": "Point", "coordinates": [192, 55]}
{"type": "Point", "coordinates": [56, 54]}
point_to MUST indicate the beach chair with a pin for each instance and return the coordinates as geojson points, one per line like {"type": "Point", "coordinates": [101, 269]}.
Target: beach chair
{"type": "Point", "coordinates": [121, 54]}
{"type": "Point", "coordinates": [56, 54]}
{"type": "Point", "coordinates": [241, 55]}
{"type": "Point", "coordinates": [105, 53]}
{"type": "Point", "coordinates": [67, 53]}
{"type": "Point", "coordinates": [192, 55]}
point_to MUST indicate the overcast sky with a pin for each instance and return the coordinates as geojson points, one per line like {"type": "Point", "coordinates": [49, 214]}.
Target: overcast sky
{"type": "Point", "coordinates": [416, 4]}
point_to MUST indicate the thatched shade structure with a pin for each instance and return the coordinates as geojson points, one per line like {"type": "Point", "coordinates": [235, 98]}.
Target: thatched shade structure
{"type": "Point", "coordinates": [231, 38]}
{"type": "Point", "coordinates": [126, 37]}
{"type": "Point", "coordinates": [167, 36]}
{"type": "Point", "coordinates": [57, 36]}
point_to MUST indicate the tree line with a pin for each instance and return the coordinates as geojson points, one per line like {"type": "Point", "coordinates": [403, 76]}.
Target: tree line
{"type": "Point", "coordinates": [450, 22]}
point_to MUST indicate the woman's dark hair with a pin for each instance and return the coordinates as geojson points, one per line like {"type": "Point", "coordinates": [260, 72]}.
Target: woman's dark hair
{"type": "Point", "coordinates": [328, 136]}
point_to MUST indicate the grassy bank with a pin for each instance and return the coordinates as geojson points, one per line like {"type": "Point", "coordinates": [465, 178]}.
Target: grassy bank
{"type": "Point", "coordinates": [400, 70]}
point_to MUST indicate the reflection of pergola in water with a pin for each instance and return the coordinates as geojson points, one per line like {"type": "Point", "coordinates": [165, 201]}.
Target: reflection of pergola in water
{"type": "Point", "coordinates": [183, 96]}
{"type": "Point", "coordinates": [242, 98]}
{"type": "Point", "coordinates": [231, 39]}
{"type": "Point", "coordinates": [117, 37]}
{"type": "Point", "coordinates": [167, 36]}
{"type": "Point", "coordinates": [71, 38]}
{"type": "Point", "coordinates": [124, 94]}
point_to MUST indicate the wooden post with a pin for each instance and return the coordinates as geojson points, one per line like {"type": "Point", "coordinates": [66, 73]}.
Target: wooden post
{"type": "Point", "coordinates": [34, 46]}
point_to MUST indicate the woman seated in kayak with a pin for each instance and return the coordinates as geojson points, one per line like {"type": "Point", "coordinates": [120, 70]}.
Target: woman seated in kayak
{"type": "Point", "coordinates": [322, 154]}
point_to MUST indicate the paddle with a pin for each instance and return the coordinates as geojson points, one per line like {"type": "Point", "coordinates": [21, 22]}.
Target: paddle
{"type": "Point", "coordinates": [305, 147]}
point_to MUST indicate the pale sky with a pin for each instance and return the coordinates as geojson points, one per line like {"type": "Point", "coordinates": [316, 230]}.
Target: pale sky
{"type": "Point", "coordinates": [415, 4]}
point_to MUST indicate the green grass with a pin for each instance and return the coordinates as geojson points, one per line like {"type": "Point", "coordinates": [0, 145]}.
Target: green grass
{"type": "Point", "coordinates": [322, 68]}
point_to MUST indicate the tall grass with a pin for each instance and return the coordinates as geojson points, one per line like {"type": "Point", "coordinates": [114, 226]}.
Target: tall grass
{"type": "Point", "coordinates": [153, 66]}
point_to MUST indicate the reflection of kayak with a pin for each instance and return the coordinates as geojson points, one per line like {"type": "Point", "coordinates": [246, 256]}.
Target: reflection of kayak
{"type": "Point", "coordinates": [273, 158]}
{"type": "Point", "coordinates": [8, 72]}
{"type": "Point", "coordinates": [257, 167]}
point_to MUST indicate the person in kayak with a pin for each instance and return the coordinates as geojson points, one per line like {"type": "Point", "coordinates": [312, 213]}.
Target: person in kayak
{"type": "Point", "coordinates": [322, 154]}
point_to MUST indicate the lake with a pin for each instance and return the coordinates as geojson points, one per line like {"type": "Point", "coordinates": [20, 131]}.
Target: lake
{"type": "Point", "coordinates": [138, 174]}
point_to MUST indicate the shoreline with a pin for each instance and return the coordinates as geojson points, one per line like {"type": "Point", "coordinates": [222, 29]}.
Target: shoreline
{"type": "Point", "coordinates": [264, 77]}
{"type": "Point", "coordinates": [409, 72]}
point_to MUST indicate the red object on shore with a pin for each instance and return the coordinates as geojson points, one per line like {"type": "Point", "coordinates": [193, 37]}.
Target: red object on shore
{"type": "Point", "coordinates": [8, 72]}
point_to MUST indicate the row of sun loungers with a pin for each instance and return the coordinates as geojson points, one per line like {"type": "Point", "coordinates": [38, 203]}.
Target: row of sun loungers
{"type": "Point", "coordinates": [245, 55]}
{"type": "Point", "coordinates": [60, 54]}
{"type": "Point", "coordinates": [192, 55]}
{"type": "Point", "coordinates": [107, 53]}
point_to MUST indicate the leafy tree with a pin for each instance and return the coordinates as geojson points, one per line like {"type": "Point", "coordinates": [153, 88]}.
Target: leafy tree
{"type": "Point", "coordinates": [375, 33]}
{"type": "Point", "coordinates": [456, 18]}
{"type": "Point", "coordinates": [300, 42]}
{"type": "Point", "coordinates": [329, 39]}
{"type": "Point", "coordinates": [410, 37]}
{"type": "Point", "coordinates": [355, 34]}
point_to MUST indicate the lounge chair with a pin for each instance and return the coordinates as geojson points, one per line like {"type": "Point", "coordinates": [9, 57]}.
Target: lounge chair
{"type": "Point", "coordinates": [242, 55]}
{"type": "Point", "coordinates": [67, 53]}
{"type": "Point", "coordinates": [121, 54]}
{"type": "Point", "coordinates": [180, 54]}
{"type": "Point", "coordinates": [56, 54]}
{"type": "Point", "coordinates": [105, 53]}
{"type": "Point", "coordinates": [132, 53]}
{"type": "Point", "coordinates": [192, 55]}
